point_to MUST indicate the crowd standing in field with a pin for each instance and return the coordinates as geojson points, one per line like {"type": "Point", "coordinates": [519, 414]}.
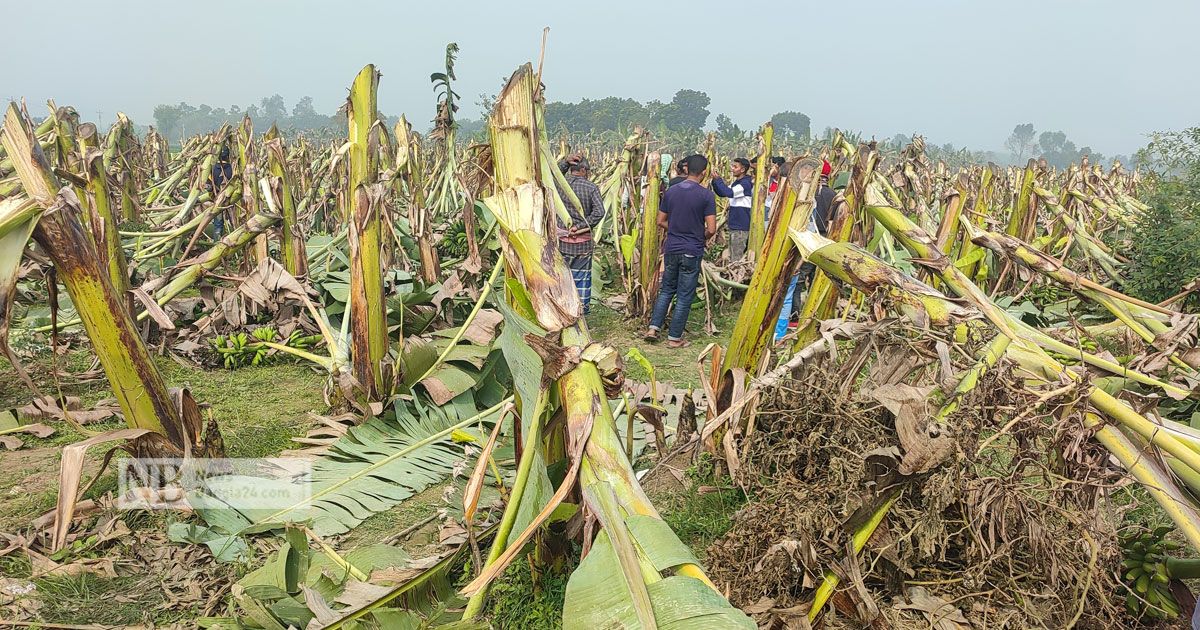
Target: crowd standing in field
{"type": "Point", "coordinates": [687, 215]}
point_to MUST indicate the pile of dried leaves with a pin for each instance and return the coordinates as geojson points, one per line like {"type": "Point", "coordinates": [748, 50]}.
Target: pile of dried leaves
{"type": "Point", "coordinates": [1008, 532]}
{"type": "Point", "coordinates": [172, 580]}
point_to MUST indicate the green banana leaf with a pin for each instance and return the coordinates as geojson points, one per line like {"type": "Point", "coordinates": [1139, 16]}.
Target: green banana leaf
{"type": "Point", "coordinates": [372, 468]}
{"type": "Point", "coordinates": [598, 597]}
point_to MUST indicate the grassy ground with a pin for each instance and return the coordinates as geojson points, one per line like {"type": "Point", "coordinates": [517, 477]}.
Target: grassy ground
{"type": "Point", "coordinates": [260, 409]}
{"type": "Point", "coordinates": [674, 366]}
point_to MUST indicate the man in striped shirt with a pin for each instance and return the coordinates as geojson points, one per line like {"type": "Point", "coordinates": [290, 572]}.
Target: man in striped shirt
{"type": "Point", "coordinates": [740, 195]}
{"type": "Point", "coordinates": [575, 243]}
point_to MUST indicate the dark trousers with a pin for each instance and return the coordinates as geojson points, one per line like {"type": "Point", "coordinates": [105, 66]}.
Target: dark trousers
{"type": "Point", "coordinates": [681, 272]}
{"type": "Point", "coordinates": [807, 273]}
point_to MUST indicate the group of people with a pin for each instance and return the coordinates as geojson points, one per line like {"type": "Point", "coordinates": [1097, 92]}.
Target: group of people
{"type": "Point", "coordinates": [687, 214]}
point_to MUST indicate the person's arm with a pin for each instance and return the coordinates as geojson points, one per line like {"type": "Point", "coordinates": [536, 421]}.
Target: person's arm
{"type": "Point", "coordinates": [662, 219]}
{"type": "Point", "coordinates": [721, 188]}
{"type": "Point", "coordinates": [710, 218]}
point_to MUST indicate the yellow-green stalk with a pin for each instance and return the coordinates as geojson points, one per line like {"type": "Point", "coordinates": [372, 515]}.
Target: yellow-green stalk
{"type": "Point", "coordinates": [368, 321]}
{"type": "Point", "coordinates": [758, 200]}
{"type": "Point", "coordinates": [101, 218]}
{"type": "Point", "coordinates": [136, 382]}
{"type": "Point", "coordinates": [291, 240]}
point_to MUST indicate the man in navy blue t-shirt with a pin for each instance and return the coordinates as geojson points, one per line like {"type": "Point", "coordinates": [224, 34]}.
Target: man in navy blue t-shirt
{"type": "Point", "coordinates": [689, 214]}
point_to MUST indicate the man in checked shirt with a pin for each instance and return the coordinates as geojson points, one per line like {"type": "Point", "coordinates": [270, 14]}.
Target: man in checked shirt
{"type": "Point", "coordinates": [575, 242]}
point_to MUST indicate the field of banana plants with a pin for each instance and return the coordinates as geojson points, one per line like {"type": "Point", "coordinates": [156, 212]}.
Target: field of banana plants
{"type": "Point", "coordinates": [972, 423]}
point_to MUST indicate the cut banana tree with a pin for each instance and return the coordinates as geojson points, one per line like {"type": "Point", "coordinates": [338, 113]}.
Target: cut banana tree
{"type": "Point", "coordinates": [621, 577]}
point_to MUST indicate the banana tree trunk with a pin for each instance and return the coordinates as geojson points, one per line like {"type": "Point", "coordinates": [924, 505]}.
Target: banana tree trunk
{"type": "Point", "coordinates": [542, 284]}
{"type": "Point", "coordinates": [648, 259]}
{"type": "Point", "coordinates": [761, 185]}
{"type": "Point", "coordinates": [101, 219]}
{"type": "Point", "coordinates": [139, 387]}
{"type": "Point", "coordinates": [291, 240]}
{"type": "Point", "coordinates": [368, 320]}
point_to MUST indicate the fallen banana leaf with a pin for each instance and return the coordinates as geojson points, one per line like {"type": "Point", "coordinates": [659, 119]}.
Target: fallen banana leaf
{"type": "Point", "coordinates": [375, 466]}
{"type": "Point", "coordinates": [71, 473]}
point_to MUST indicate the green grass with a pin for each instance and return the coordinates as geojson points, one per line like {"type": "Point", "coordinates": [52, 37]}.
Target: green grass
{"type": "Point", "coordinates": [89, 599]}
{"type": "Point", "coordinates": [516, 602]}
{"type": "Point", "coordinates": [674, 366]}
{"type": "Point", "coordinates": [699, 518]}
{"type": "Point", "coordinates": [259, 409]}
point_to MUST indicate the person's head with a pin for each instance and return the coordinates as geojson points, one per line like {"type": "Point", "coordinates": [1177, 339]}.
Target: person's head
{"type": "Point", "coordinates": [826, 169]}
{"type": "Point", "coordinates": [223, 156]}
{"type": "Point", "coordinates": [741, 166]}
{"type": "Point", "coordinates": [681, 168]}
{"type": "Point", "coordinates": [696, 166]}
{"type": "Point", "coordinates": [578, 168]}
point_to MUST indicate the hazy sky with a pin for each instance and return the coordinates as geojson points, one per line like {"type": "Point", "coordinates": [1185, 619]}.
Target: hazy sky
{"type": "Point", "coordinates": [960, 71]}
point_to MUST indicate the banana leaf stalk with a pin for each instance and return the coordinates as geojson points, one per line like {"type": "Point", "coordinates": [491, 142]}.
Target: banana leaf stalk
{"type": "Point", "coordinates": [188, 272]}
{"type": "Point", "coordinates": [1023, 220]}
{"type": "Point", "coordinates": [136, 382]}
{"type": "Point", "coordinates": [968, 255]}
{"type": "Point", "coordinates": [920, 245]}
{"type": "Point", "coordinates": [410, 171]}
{"type": "Point", "coordinates": [1088, 244]}
{"type": "Point", "coordinates": [165, 240]}
{"type": "Point", "coordinates": [249, 160]}
{"type": "Point", "coordinates": [1144, 322]}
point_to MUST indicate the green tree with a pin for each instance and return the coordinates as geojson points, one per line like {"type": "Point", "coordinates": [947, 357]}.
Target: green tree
{"type": "Point", "coordinates": [688, 110]}
{"type": "Point", "coordinates": [166, 118]}
{"type": "Point", "coordinates": [1165, 245]}
{"type": "Point", "coordinates": [726, 128]}
{"type": "Point", "coordinates": [1021, 141]}
{"type": "Point", "coordinates": [1057, 149]}
{"type": "Point", "coordinates": [791, 125]}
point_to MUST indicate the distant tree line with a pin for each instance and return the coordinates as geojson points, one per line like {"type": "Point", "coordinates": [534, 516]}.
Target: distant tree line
{"type": "Point", "coordinates": [685, 116]}
{"type": "Point", "coordinates": [176, 121]}
{"type": "Point", "coordinates": [1053, 146]}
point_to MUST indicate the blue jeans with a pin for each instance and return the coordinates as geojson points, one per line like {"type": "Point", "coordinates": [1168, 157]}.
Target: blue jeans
{"type": "Point", "coordinates": [680, 274]}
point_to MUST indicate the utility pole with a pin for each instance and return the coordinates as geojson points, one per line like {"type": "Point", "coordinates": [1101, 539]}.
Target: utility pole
{"type": "Point", "coordinates": [99, 120]}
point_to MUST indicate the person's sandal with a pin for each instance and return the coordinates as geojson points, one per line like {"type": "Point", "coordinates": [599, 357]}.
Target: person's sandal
{"type": "Point", "coordinates": [678, 343]}
{"type": "Point", "coordinates": [650, 336]}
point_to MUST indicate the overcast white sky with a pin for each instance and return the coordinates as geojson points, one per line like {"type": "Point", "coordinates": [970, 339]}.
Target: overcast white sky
{"type": "Point", "coordinates": [961, 71]}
